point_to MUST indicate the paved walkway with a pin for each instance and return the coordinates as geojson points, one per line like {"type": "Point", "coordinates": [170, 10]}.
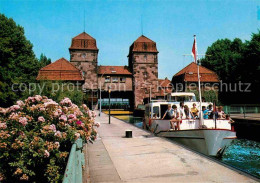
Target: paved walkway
{"type": "Point", "coordinates": [145, 158]}
{"type": "Point", "coordinates": [248, 116]}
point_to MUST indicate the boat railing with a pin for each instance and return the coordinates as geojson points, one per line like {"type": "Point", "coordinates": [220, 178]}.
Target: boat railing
{"type": "Point", "coordinates": [76, 162]}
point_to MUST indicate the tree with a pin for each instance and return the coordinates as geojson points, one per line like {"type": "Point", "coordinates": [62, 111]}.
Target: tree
{"type": "Point", "coordinates": [18, 63]}
{"type": "Point", "coordinates": [44, 61]}
{"type": "Point", "coordinates": [234, 62]}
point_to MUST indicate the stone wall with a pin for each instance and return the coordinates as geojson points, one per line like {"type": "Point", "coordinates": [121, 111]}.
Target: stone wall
{"type": "Point", "coordinates": [145, 74]}
{"type": "Point", "coordinates": [86, 61]}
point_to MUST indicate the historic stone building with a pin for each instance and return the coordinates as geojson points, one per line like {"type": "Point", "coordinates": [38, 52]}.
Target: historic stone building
{"type": "Point", "coordinates": [132, 85]}
{"type": "Point", "coordinates": [84, 55]}
{"type": "Point", "coordinates": [143, 63]}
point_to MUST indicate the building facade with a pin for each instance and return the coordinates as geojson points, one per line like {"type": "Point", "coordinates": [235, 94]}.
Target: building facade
{"type": "Point", "coordinates": [132, 84]}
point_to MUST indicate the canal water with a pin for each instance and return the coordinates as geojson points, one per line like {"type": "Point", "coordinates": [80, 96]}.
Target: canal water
{"type": "Point", "coordinates": [242, 154]}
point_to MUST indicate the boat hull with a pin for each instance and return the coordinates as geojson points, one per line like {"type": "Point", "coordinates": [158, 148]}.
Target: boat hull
{"type": "Point", "coordinates": [211, 142]}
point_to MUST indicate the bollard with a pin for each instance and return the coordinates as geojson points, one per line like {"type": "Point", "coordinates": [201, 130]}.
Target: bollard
{"type": "Point", "coordinates": [128, 133]}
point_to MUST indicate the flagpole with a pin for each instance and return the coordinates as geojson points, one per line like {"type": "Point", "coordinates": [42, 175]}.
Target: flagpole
{"type": "Point", "coordinates": [200, 99]}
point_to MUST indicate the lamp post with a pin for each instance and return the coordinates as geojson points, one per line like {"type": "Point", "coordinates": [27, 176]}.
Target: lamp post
{"type": "Point", "coordinates": [109, 91]}
{"type": "Point", "coordinates": [100, 110]}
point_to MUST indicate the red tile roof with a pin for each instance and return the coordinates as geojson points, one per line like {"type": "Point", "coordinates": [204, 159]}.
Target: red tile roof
{"type": "Point", "coordinates": [190, 73]}
{"type": "Point", "coordinates": [83, 41]}
{"type": "Point", "coordinates": [166, 87]}
{"type": "Point", "coordinates": [61, 69]}
{"type": "Point", "coordinates": [143, 44]}
{"type": "Point", "coordinates": [114, 70]}
{"type": "Point", "coordinates": [164, 82]}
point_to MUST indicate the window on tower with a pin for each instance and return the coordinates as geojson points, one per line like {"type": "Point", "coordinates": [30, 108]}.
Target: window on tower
{"type": "Point", "coordinates": [145, 58]}
{"type": "Point", "coordinates": [145, 74]}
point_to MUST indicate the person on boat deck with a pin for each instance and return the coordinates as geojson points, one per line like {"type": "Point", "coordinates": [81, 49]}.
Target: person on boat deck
{"type": "Point", "coordinates": [181, 110]}
{"type": "Point", "coordinates": [194, 110]}
{"type": "Point", "coordinates": [221, 113]}
{"type": "Point", "coordinates": [176, 118]}
{"type": "Point", "coordinates": [168, 113]}
{"type": "Point", "coordinates": [210, 111]}
{"type": "Point", "coordinates": [188, 113]}
{"type": "Point", "coordinates": [205, 112]}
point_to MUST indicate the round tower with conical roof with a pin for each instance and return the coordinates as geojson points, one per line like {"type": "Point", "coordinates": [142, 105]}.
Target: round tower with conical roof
{"type": "Point", "coordinates": [84, 55]}
{"type": "Point", "coordinates": [143, 63]}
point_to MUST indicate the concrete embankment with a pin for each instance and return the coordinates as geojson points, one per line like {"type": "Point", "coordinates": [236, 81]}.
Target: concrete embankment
{"type": "Point", "coordinates": [146, 158]}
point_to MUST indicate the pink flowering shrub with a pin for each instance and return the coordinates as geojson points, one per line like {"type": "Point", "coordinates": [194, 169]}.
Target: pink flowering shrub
{"type": "Point", "coordinates": [36, 136]}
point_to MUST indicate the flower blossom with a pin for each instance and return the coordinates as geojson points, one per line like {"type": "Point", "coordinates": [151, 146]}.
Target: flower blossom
{"type": "Point", "coordinates": [53, 127]}
{"type": "Point", "coordinates": [72, 117]}
{"type": "Point", "coordinates": [46, 153]}
{"type": "Point", "coordinates": [41, 119]}
{"type": "Point", "coordinates": [66, 101]}
{"type": "Point", "coordinates": [20, 103]}
{"type": "Point", "coordinates": [77, 135]}
{"type": "Point", "coordinates": [3, 126]}
{"type": "Point", "coordinates": [57, 145]}
{"type": "Point", "coordinates": [58, 134]}
{"type": "Point", "coordinates": [50, 102]}
{"type": "Point", "coordinates": [38, 98]}
{"type": "Point", "coordinates": [14, 108]}
{"type": "Point", "coordinates": [23, 121]}
{"type": "Point", "coordinates": [14, 116]}
{"type": "Point", "coordinates": [2, 110]}
{"type": "Point", "coordinates": [63, 118]}
{"type": "Point", "coordinates": [79, 123]}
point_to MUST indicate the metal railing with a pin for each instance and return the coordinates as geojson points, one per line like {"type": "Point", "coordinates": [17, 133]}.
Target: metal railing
{"type": "Point", "coordinates": [243, 111]}
{"type": "Point", "coordinates": [76, 162]}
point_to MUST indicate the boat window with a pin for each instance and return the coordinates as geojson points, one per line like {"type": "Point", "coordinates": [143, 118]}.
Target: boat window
{"type": "Point", "coordinates": [156, 112]}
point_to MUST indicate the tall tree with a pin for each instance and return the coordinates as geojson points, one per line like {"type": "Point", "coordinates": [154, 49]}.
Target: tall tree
{"type": "Point", "coordinates": [18, 63]}
{"type": "Point", "coordinates": [44, 60]}
{"type": "Point", "coordinates": [234, 62]}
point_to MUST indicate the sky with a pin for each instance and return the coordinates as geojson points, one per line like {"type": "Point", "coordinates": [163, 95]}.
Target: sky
{"type": "Point", "coordinates": [116, 24]}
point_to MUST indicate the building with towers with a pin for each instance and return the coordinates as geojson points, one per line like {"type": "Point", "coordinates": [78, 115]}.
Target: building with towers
{"type": "Point", "coordinates": [130, 85]}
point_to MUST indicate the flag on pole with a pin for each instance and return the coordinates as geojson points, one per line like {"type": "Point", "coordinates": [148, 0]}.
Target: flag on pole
{"type": "Point", "coordinates": [194, 50]}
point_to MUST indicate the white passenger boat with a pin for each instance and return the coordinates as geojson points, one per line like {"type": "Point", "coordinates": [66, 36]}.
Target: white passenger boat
{"type": "Point", "coordinates": [210, 137]}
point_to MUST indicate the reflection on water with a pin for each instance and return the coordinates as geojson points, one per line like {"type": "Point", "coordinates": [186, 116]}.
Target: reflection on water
{"type": "Point", "coordinates": [242, 154]}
